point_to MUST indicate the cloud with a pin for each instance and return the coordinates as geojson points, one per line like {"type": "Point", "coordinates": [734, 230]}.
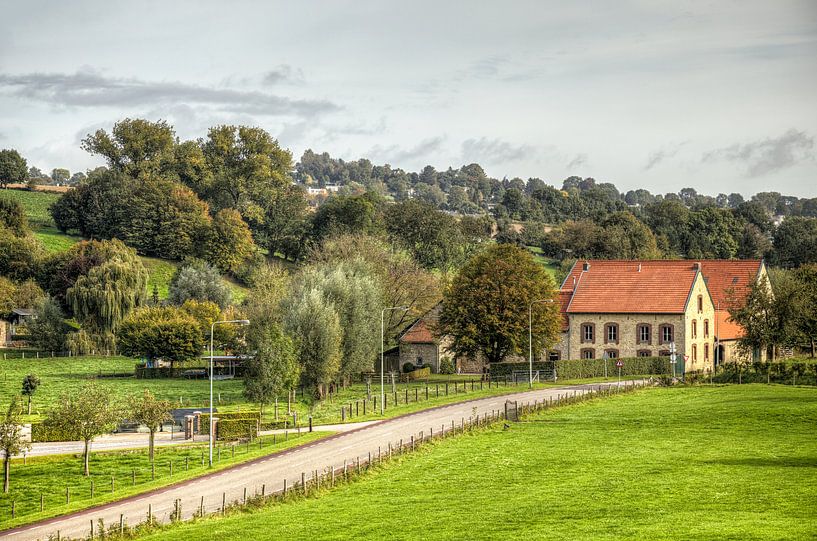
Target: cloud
{"type": "Point", "coordinates": [394, 154]}
{"type": "Point", "coordinates": [767, 155]}
{"type": "Point", "coordinates": [577, 161]}
{"type": "Point", "coordinates": [91, 89]}
{"type": "Point", "coordinates": [484, 150]}
{"type": "Point", "coordinates": [283, 73]}
{"type": "Point", "coordinates": [657, 156]}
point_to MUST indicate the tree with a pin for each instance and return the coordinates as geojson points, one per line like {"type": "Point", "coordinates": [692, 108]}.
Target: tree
{"type": "Point", "coordinates": [485, 310]}
{"type": "Point", "coordinates": [347, 214]}
{"type": "Point", "coordinates": [167, 333]}
{"type": "Point", "coordinates": [135, 147]}
{"type": "Point", "coordinates": [315, 323]}
{"type": "Point", "coordinates": [13, 167]}
{"type": "Point", "coordinates": [48, 329]}
{"type": "Point", "coordinates": [430, 235]}
{"type": "Point", "coordinates": [77, 178]}
{"type": "Point", "coordinates": [60, 175]}
{"type": "Point", "coordinates": [272, 368]}
{"type": "Point", "coordinates": [625, 237]}
{"type": "Point", "coordinates": [795, 242]}
{"type": "Point", "coordinates": [149, 411]}
{"type": "Point", "coordinates": [30, 384]}
{"type": "Point", "coordinates": [229, 241]}
{"type": "Point", "coordinates": [101, 299]}
{"type": "Point", "coordinates": [85, 413]}
{"type": "Point", "coordinates": [753, 244]}
{"type": "Point", "coordinates": [196, 279]}
{"type": "Point", "coordinates": [13, 216]}
{"type": "Point", "coordinates": [11, 439]}
{"type": "Point", "coordinates": [19, 256]}
{"type": "Point", "coordinates": [286, 223]}
{"type": "Point", "coordinates": [806, 309]}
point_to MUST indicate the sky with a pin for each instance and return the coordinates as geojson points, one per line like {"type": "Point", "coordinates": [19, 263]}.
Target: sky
{"type": "Point", "coordinates": [717, 96]}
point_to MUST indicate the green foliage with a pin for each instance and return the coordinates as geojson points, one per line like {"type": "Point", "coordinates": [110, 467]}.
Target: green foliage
{"type": "Point", "coordinates": [314, 322]}
{"type": "Point", "coordinates": [272, 368]}
{"type": "Point", "coordinates": [486, 308]}
{"type": "Point", "coordinates": [42, 432]}
{"type": "Point", "coordinates": [286, 223]}
{"type": "Point", "coordinates": [347, 214]}
{"type": "Point", "coordinates": [235, 429]}
{"type": "Point", "coordinates": [48, 329]}
{"type": "Point", "coordinates": [136, 147]}
{"type": "Point", "coordinates": [586, 368]}
{"type": "Point", "coordinates": [227, 416]}
{"type": "Point", "coordinates": [795, 242]}
{"type": "Point", "coordinates": [446, 365]}
{"type": "Point", "coordinates": [149, 411]}
{"type": "Point", "coordinates": [19, 256]}
{"type": "Point", "coordinates": [167, 333]}
{"type": "Point", "coordinates": [11, 439]}
{"type": "Point", "coordinates": [196, 279]}
{"type": "Point", "coordinates": [229, 241]}
{"type": "Point", "coordinates": [104, 296]}
{"type": "Point", "coordinates": [13, 167]}
{"type": "Point", "coordinates": [13, 217]}
{"type": "Point", "coordinates": [432, 237]}
{"type": "Point", "coordinates": [408, 367]}
{"type": "Point", "coordinates": [87, 412]}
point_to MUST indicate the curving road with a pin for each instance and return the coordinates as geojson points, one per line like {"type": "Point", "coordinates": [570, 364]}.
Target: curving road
{"type": "Point", "coordinates": [271, 472]}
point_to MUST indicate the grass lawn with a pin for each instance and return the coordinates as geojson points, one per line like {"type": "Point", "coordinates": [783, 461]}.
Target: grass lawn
{"type": "Point", "coordinates": [551, 265]}
{"type": "Point", "coordinates": [35, 204]}
{"type": "Point", "coordinates": [60, 375]}
{"type": "Point", "coordinates": [50, 475]}
{"type": "Point", "coordinates": [723, 462]}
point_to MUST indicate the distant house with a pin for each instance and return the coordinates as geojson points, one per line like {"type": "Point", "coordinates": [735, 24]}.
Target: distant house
{"type": "Point", "coordinates": [13, 324]}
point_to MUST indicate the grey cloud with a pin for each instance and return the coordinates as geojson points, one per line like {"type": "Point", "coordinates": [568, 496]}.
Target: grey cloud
{"type": "Point", "coordinates": [283, 73]}
{"type": "Point", "coordinates": [657, 156]}
{"type": "Point", "coordinates": [767, 155]}
{"type": "Point", "coordinates": [577, 161]}
{"type": "Point", "coordinates": [493, 151]}
{"type": "Point", "coordinates": [91, 89]}
{"type": "Point", "coordinates": [397, 155]}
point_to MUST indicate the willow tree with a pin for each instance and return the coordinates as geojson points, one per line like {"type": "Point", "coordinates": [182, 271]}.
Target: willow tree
{"type": "Point", "coordinates": [104, 296]}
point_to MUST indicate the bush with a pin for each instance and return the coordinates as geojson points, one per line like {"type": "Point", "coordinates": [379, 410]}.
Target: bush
{"type": "Point", "coordinates": [408, 367]}
{"type": "Point", "coordinates": [41, 432]}
{"type": "Point", "coordinates": [233, 429]}
{"type": "Point", "coordinates": [418, 373]}
{"type": "Point", "coordinates": [204, 427]}
{"type": "Point", "coordinates": [446, 365]}
{"type": "Point", "coordinates": [587, 368]}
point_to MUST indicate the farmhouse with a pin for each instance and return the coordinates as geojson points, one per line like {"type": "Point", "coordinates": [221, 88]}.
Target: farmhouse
{"type": "Point", "coordinates": [12, 325]}
{"type": "Point", "coordinates": [628, 308]}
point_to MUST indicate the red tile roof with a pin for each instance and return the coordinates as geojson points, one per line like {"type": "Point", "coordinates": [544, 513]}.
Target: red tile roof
{"type": "Point", "coordinates": [624, 287]}
{"type": "Point", "coordinates": [564, 301]}
{"type": "Point", "coordinates": [725, 329]}
{"type": "Point", "coordinates": [661, 286]}
{"type": "Point", "coordinates": [418, 333]}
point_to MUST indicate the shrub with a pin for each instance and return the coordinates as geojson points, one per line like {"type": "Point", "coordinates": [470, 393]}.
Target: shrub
{"type": "Point", "coordinates": [408, 367]}
{"type": "Point", "coordinates": [233, 429]}
{"type": "Point", "coordinates": [204, 427]}
{"type": "Point", "coordinates": [446, 365]}
{"type": "Point", "coordinates": [42, 432]}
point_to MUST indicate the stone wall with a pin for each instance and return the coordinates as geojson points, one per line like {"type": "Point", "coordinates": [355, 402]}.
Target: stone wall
{"type": "Point", "coordinates": [410, 353]}
{"type": "Point", "coordinates": [628, 344]}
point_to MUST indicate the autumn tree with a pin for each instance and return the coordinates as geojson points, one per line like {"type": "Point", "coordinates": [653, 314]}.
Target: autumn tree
{"type": "Point", "coordinates": [148, 410]}
{"type": "Point", "coordinates": [85, 413]}
{"type": "Point", "coordinates": [485, 310]}
{"type": "Point", "coordinates": [166, 332]}
{"type": "Point", "coordinates": [136, 147]}
{"type": "Point", "coordinates": [11, 439]}
{"type": "Point", "coordinates": [228, 243]}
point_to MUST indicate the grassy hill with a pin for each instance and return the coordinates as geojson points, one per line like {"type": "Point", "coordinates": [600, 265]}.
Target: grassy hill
{"type": "Point", "coordinates": [36, 205]}
{"type": "Point", "coordinates": [733, 462]}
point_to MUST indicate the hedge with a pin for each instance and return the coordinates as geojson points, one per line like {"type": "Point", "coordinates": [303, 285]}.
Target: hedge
{"type": "Point", "coordinates": [785, 372]}
{"type": "Point", "coordinates": [418, 373]}
{"type": "Point", "coordinates": [586, 368]}
{"type": "Point", "coordinates": [41, 432]}
{"type": "Point", "coordinates": [233, 429]}
{"type": "Point", "coordinates": [204, 426]}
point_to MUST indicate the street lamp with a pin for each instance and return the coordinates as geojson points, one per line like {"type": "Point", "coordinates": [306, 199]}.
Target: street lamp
{"type": "Point", "coordinates": [530, 339]}
{"type": "Point", "coordinates": [382, 351]}
{"type": "Point", "coordinates": [212, 330]}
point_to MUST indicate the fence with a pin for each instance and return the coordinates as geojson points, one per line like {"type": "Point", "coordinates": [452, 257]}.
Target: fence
{"type": "Point", "coordinates": [308, 483]}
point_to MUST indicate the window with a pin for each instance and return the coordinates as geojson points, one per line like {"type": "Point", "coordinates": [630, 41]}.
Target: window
{"type": "Point", "coordinates": [694, 352]}
{"type": "Point", "coordinates": [643, 334]}
{"type": "Point", "coordinates": [706, 328]}
{"type": "Point", "coordinates": [694, 329]}
{"type": "Point", "coordinates": [706, 352]}
{"type": "Point", "coordinates": [611, 353]}
{"type": "Point", "coordinates": [700, 303]}
{"type": "Point", "coordinates": [588, 353]}
{"type": "Point", "coordinates": [611, 333]}
{"type": "Point", "coordinates": [644, 353]}
{"type": "Point", "coordinates": [663, 353]}
{"type": "Point", "coordinates": [554, 355]}
{"type": "Point", "coordinates": [588, 333]}
{"type": "Point", "coordinates": [666, 333]}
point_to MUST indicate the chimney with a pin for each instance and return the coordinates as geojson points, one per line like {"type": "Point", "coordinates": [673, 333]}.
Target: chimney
{"type": "Point", "coordinates": [639, 267]}
{"type": "Point", "coordinates": [586, 266]}
{"type": "Point", "coordinates": [574, 282]}
{"type": "Point", "coordinates": [696, 266]}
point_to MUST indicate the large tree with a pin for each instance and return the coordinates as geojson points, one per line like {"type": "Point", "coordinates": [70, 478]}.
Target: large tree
{"type": "Point", "coordinates": [19, 256]}
{"type": "Point", "coordinates": [86, 412]}
{"type": "Point", "coordinates": [13, 167]}
{"type": "Point", "coordinates": [795, 242]}
{"type": "Point", "coordinates": [148, 410]}
{"type": "Point", "coordinates": [229, 241]}
{"type": "Point", "coordinates": [430, 235]}
{"type": "Point", "coordinates": [136, 147]}
{"type": "Point", "coordinates": [485, 310]}
{"type": "Point", "coordinates": [167, 333]}
{"type": "Point", "coordinates": [806, 310]}
{"type": "Point", "coordinates": [11, 439]}
{"type": "Point", "coordinates": [196, 279]}
{"type": "Point", "coordinates": [272, 368]}
{"type": "Point", "coordinates": [48, 329]}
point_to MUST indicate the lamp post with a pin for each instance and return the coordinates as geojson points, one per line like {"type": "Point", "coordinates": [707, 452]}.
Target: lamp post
{"type": "Point", "coordinates": [382, 351]}
{"type": "Point", "coordinates": [212, 330]}
{"type": "Point", "coordinates": [530, 339]}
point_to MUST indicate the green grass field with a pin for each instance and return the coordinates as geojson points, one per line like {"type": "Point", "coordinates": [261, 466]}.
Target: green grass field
{"type": "Point", "coordinates": [550, 265]}
{"type": "Point", "coordinates": [35, 204]}
{"type": "Point", "coordinates": [49, 476]}
{"type": "Point", "coordinates": [60, 375]}
{"type": "Point", "coordinates": [723, 462]}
